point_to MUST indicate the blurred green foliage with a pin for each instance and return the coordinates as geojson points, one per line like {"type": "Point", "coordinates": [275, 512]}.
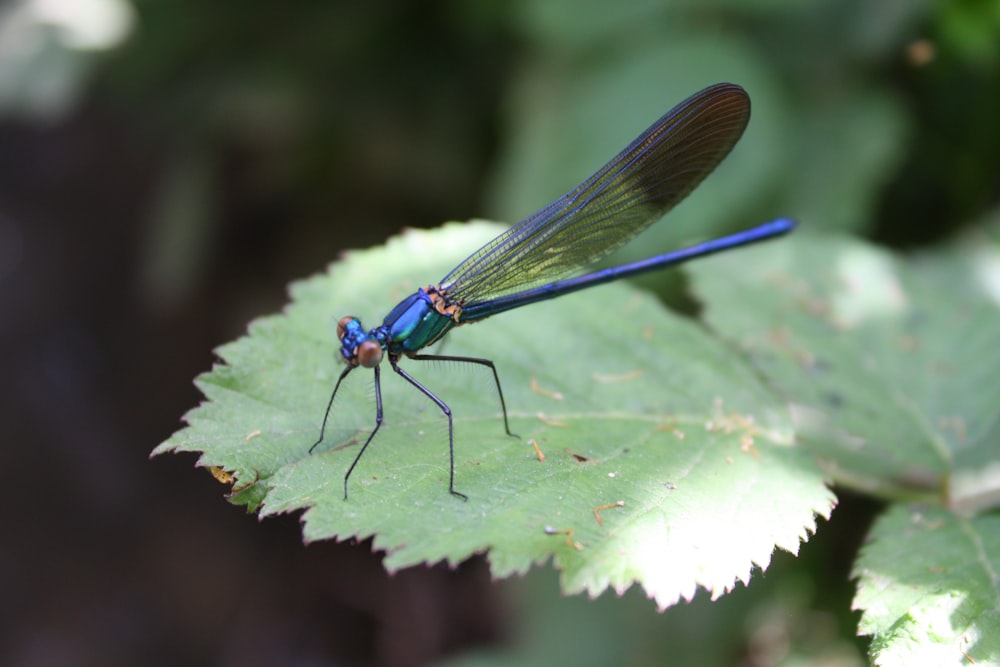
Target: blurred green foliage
{"type": "Point", "coordinates": [873, 117]}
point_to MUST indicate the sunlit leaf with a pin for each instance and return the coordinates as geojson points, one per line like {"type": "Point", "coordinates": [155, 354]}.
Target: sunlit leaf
{"type": "Point", "coordinates": [666, 462]}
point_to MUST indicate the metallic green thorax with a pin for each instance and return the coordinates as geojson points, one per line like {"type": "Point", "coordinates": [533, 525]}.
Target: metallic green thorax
{"type": "Point", "coordinates": [417, 321]}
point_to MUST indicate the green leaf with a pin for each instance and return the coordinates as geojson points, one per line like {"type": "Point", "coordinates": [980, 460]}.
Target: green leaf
{"type": "Point", "coordinates": [892, 366]}
{"type": "Point", "coordinates": [929, 588]}
{"type": "Point", "coordinates": [626, 401]}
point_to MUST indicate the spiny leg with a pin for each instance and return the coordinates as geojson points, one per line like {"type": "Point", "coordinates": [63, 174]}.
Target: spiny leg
{"type": "Point", "coordinates": [482, 362]}
{"type": "Point", "coordinates": [329, 406]}
{"type": "Point", "coordinates": [378, 424]}
{"type": "Point", "coordinates": [447, 413]}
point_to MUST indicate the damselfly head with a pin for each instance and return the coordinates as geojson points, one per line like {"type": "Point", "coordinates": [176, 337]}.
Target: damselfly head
{"type": "Point", "coordinates": [344, 324]}
{"type": "Point", "coordinates": [369, 353]}
{"type": "Point", "coordinates": [357, 346]}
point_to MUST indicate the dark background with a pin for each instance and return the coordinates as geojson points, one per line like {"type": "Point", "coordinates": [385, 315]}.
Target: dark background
{"type": "Point", "coordinates": [163, 180]}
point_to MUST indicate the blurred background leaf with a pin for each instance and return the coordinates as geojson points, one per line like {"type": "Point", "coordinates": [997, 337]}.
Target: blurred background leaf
{"type": "Point", "coordinates": [889, 365]}
{"type": "Point", "coordinates": [927, 585]}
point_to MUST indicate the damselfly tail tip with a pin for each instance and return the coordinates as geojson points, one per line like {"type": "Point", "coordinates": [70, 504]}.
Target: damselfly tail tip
{"type": "Point", "coordinates": [781, 226]}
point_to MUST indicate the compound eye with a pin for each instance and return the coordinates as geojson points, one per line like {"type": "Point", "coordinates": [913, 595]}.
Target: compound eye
{"type": "Point", "coordinates": [369, 354]}
{"type": "Point", "coordinates": [342, 325]}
